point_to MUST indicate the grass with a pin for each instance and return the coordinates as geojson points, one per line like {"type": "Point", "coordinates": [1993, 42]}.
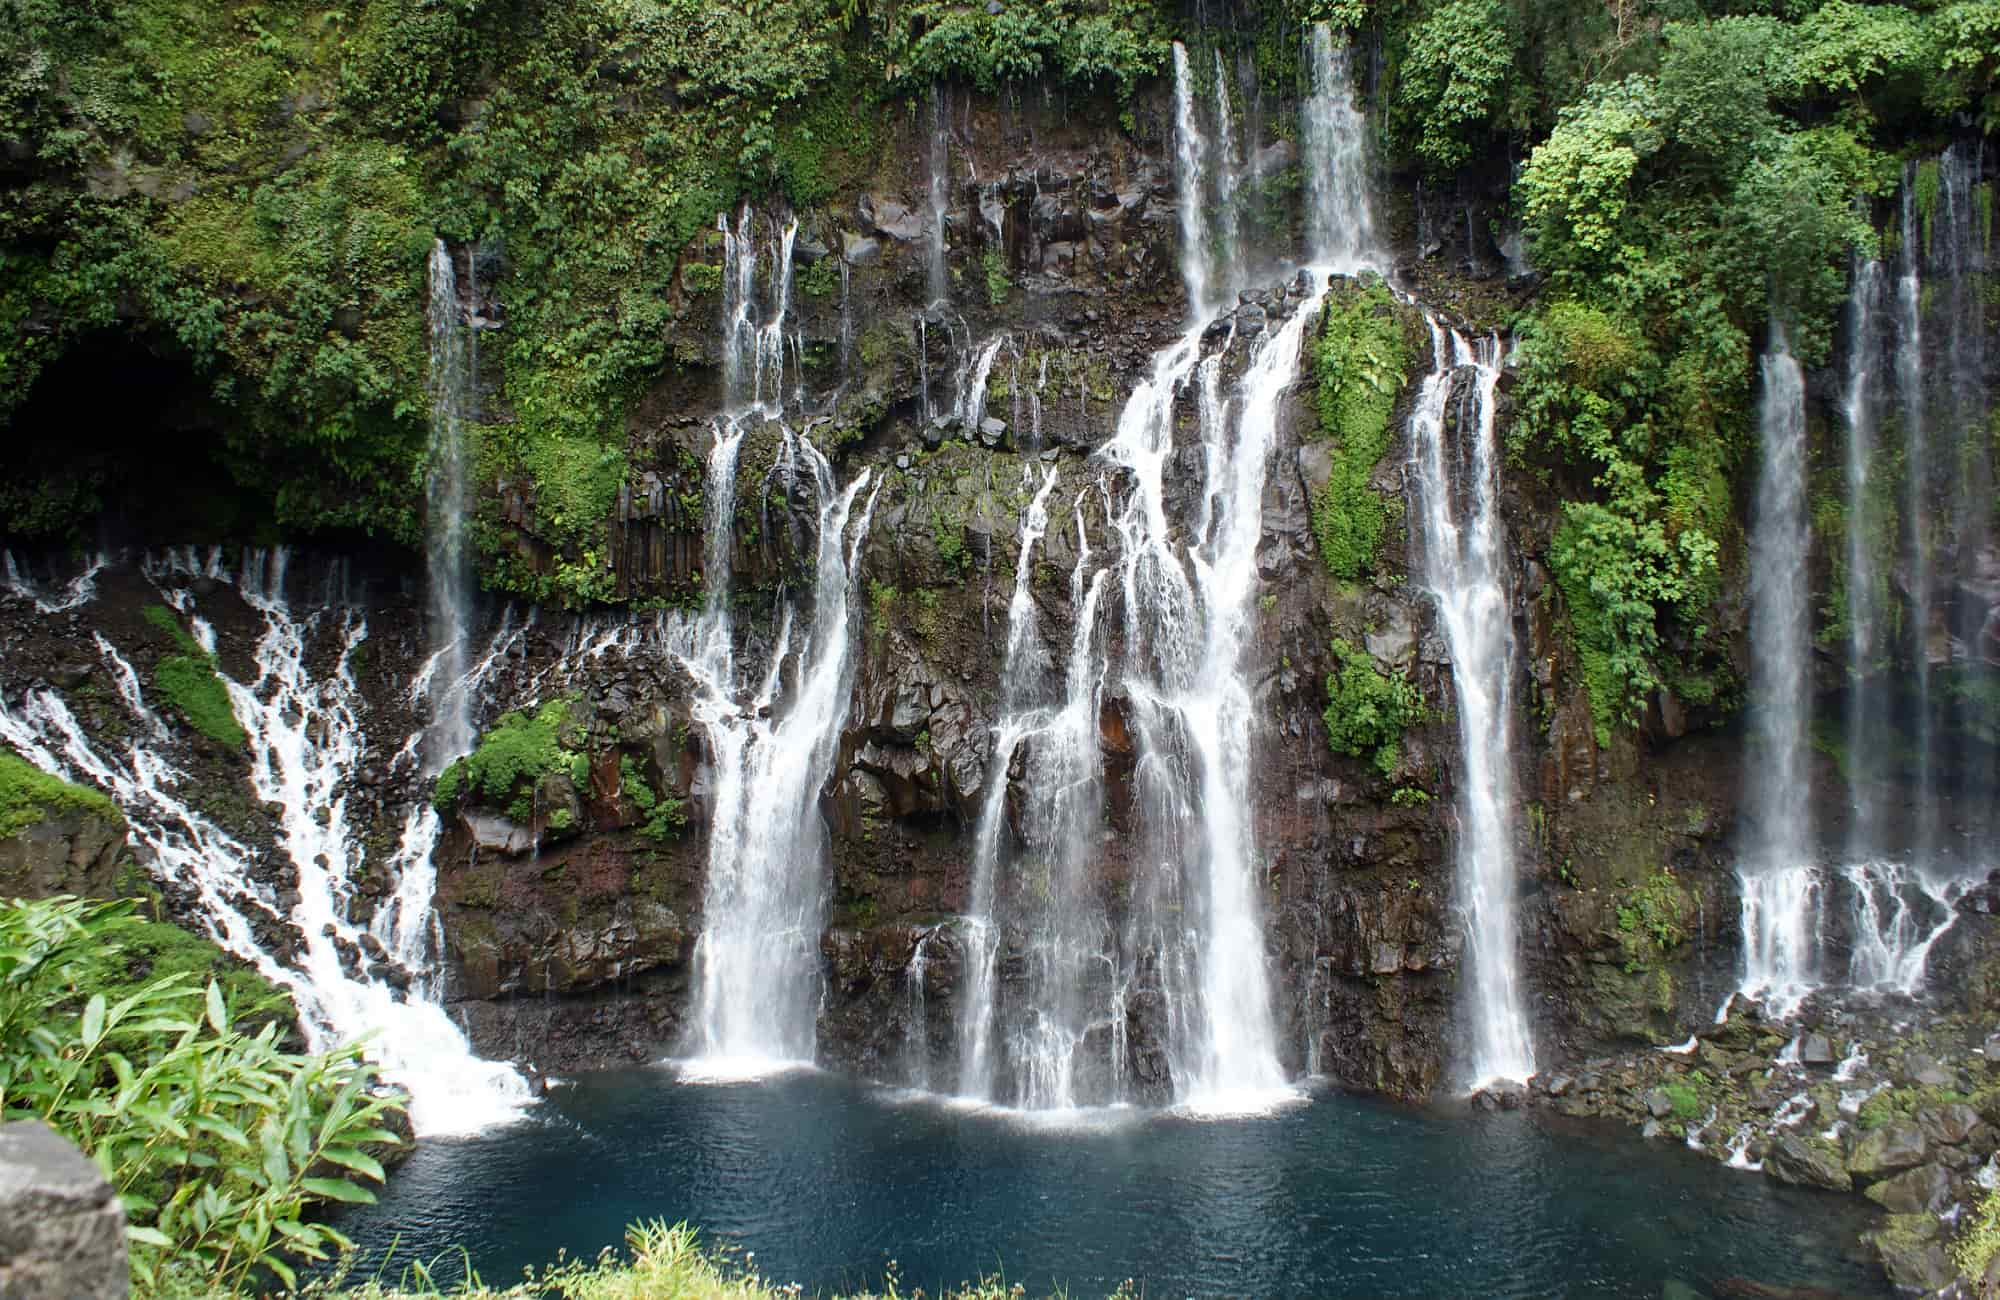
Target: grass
{"type": "Point", "coordinates": [661, 1262]}
{"type": "Point", "coordinates": [28, 795]}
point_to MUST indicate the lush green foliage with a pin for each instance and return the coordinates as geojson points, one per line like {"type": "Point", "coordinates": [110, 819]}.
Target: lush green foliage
{"type": "Point", "coordinates": [1368, 710]}
{"type": "Point", "coordinates": [29, 795]}
{"type": "Point", "coordinates": [511, 760]}
{"type": "Point", "coordinates": [219, 1143]}
{"type": "Point", "coordinates": [1111, 44]}
{"type": "Point", "coordinates": [1360, 361]}
{"type": "Point", "coordinates": [663, 816]}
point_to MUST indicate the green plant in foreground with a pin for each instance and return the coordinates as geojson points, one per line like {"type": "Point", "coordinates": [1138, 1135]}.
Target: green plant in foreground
{"type": "Point", "coordinates": [219, 1143]}
{"type": "Point", "coordinates": [662, 1261]}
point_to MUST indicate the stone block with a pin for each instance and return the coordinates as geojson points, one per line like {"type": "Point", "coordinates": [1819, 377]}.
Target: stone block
{"type": "Point", "coordinates": [62, 1230]}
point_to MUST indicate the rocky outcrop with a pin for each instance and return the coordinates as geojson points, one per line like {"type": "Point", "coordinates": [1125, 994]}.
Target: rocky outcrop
{"type": "Point", "coordinates": [79, 853]}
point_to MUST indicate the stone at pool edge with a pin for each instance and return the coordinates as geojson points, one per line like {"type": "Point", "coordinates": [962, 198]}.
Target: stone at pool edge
{"type": "Point", "coordinates": [1912, 1255]}
{"type": "Point", "coordinates": [1794, 1160]}
{"type": "Point", "coordinates": [62, 1229]}
{"type": "Point", "coordinates": [1923, 1190]}
{"type": "Point", "coordinates": [1887, 1150]}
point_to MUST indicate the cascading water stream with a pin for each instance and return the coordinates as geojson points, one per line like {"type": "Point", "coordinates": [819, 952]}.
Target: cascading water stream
{"type": "Point", "coordinates": [757, 961]}
{"type": "Point", "coordinates": [1333, 133]}
{"type": "Point", "coordinates": [1458, 510]}
{"type": "Point", "coordinates": [1192, 944]}
{"type": "Point", "coordinates": [1780, 888]}
{"type": "Point", "coordinates": [757, 970]}
{"type": "Point", "coordinates": [1917, 512]}
{"type": "Point", "coordinates": [306, 743]}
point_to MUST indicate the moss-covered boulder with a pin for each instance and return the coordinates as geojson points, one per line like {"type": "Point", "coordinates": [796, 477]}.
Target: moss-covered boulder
{"type": "Point", "coordinates": [56, 837]}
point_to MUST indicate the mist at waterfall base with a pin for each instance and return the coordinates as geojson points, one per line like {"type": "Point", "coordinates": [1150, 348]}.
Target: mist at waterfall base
{"type": "Point", "coordinates": [825, 1180]}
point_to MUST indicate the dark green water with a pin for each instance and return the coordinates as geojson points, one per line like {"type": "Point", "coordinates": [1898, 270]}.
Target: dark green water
{"type": "Point", "coordinates": [827, 1180]}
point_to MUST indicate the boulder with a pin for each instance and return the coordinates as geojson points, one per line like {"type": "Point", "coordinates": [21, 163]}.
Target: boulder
{"type": "Point", "coordinates": [1948, 1125]}
{"type": "Point", "coordinates": [1794, 1160]}
{"type": "Point", "coordinates": [492, 831]}
{"type": "Point", "coordinates": [1814, 1049]}
{"type": "Point", "coordinates": [1923, 1190]}
{"type": "Point", "coordinates": [1658, 1104]}
{"type": "Point", "coordinates": [62, 1229]}
{"type": "Point", "coordinates": [1888, 1150]}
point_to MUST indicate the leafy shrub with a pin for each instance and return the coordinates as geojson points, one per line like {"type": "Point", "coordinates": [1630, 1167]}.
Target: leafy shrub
{"type": "Point", "coordinates": [1653, 911]}
{"type": "Point", "coordinates": [519, 750]}
{"type": "Point", "coordinates": [219, 1143]}
{"type": "Point", "coordinates": [1367, 711]}
{"type": "Point", "coordinates": [663, 816]}
{"type": "Point", "coordinates": [1361, 361]}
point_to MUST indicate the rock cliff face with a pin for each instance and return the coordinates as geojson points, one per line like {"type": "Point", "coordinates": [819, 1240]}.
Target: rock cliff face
{"type": "Point", "coordinates": [574, 946]}
{"type": "Point", "coordinates": [570, 927]}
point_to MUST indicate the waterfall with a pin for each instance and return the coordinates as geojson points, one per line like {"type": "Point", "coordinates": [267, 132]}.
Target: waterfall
{"type": "Point", "coordinates": [1957, 235]}
{"type": "Point", "coordinates": [1333, 140]}
{"type": "Point", "coordinates": [449, 563]}
{"type": "Point", "coordinates": [305, 744]}
{"type": "Point", "coordinates": [75, 593]}
{"type": "Point", "coordinates": [974, 372]}
{"type": "Point", "coordinates": [1781, 892]}
{"type": "Point", "coordinates": [753, 353]}
{"type": "Point", "coordinates": [1190, 956]}
{"type": "Point", "coordinates": [757, 963]}
{"type": "Point", "coordinates": [1020, 686]}
{"type": "Point", "coordinates": [1228, 180]}
{"type": "Point", "coordinates": [1464, 571]}
{"type": "Point", "coordinates": [1866, 723]}
{"type": "Point", "coordinates": [1916, 509]}
{"type": "Point", "coordinates": [937, 175]}
{"type": "Point", "coordinates": [1191, 193]}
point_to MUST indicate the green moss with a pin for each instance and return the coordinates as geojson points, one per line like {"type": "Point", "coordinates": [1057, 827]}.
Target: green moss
{"type": "Point", "coordinates": [169, 624]}
{"type": "Point", "coordinates": [1361, 361]}
{"type": "Point", "coordinates": [189, 682]}
{"type": "Point", "coordinates": [1654, 912]}
{"type": "Point", "coordinates": [191, 685]}
{"type": "Point", "coordinates": [1902, 1104]}
{"type": "Point", "coordinates": [881, 606]}
{"type": "Point", "coordinates": [29, 796]}
{"type": "Point", "coordinates": [1686, 1099]}
{"type": "Point", "coordinates": [1367, 711]}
